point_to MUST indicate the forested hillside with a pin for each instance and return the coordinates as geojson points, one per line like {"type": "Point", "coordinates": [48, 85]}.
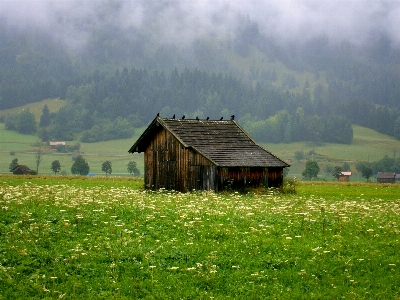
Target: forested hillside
{"type": "Point", "coordinates": [117, 84]}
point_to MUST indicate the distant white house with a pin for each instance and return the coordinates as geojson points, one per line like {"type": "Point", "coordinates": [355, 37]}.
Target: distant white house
{"type": "Point", "coordinates": [53, 144]}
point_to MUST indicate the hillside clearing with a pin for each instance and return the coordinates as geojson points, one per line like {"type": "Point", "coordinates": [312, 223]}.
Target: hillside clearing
{"type": "Point", "coordinates": [36, 108]}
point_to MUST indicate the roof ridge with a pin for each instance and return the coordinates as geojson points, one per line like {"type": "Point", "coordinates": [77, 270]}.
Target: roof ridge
{"type": "Point", "coordinates": [222, 142]}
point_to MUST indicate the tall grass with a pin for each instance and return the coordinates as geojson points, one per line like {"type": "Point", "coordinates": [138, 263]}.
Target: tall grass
{"type": "Point", "coordinates": [75, 239]}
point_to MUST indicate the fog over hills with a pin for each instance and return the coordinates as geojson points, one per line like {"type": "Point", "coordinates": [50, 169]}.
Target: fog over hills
{"type": "Point", "coordinates": [180, 22]}
{"type": "Point", "coordinates": [275, 63]}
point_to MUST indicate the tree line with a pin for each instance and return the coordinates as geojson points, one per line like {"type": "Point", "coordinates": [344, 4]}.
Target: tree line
{"type": "Point", "coordinates": [104, 106]}
{"type": "Point", "coordinates": [386, 164]}
{"type": "Point", "coordinates": [79, 167]}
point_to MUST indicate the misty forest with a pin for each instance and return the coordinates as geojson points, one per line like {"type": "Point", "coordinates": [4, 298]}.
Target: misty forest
{"type": "Point", "coordinates": [119, 78]}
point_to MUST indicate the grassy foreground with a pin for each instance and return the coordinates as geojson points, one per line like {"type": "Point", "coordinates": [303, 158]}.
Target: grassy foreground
{"type": "Point", "coordinates": [75, 238]}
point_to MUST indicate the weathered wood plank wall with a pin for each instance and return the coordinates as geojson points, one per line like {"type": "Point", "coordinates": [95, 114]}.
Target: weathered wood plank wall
{"type": "Point", "coordinates": [275, 177]}
{"type": "Point", "coordinates": [169, 166]}
{"type": "Point", "coordinates": [238, 177]}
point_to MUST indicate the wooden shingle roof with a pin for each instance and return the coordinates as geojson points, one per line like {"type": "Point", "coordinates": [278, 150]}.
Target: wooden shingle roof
{"type": "Point", "coordinates": [386, 175]}
{"type": "Point", "coordinates": [224, 143]}
{"type": "Point", "coordinates": [21, 169]}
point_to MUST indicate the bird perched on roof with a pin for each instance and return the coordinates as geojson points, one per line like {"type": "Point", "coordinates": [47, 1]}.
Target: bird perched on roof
{"type": "Point", "coordinates": [158, 114]}
{"type": "Point", "coordinates": [173, 117]}
{"type": "Point", "coordinates": [233, 117]}
{"type": "Point", "coordinates": [183, 117]}
{"type": "Point", "coordinates": [221, 118]}
{"type": "Point", "coordinates": [208, 118]}
{"type": "Point", "coordinates": [197, 118]}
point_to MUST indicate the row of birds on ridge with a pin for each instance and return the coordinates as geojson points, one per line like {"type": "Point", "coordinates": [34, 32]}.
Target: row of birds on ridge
{"type": "Point", "coordinates": [197, 118]}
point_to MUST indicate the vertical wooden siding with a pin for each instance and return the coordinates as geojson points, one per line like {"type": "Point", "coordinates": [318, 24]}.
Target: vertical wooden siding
{"type": "Point", "coordinates": [238, 177]}
{"type": "Point", "coordinates": [275, 177]}
{"type": "Point", "coordinates": [169, 166]}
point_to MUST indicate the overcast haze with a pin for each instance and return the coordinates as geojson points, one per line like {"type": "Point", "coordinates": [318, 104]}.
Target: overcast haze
{"type": "Point", "coordinates": [179, 21]}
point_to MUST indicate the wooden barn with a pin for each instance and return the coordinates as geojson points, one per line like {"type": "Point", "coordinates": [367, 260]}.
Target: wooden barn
{"type": "Point", "coordinates": [191, 154]}
{"type": "Point", "coordinates": [386, 177]}
{"type": "Point", "coordinates": [344, 176]}
{"type": "Point", "coordinates": [22, 170]}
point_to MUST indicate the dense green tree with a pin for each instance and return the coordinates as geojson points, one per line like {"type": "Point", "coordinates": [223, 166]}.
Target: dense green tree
{"type": "Point", "coordinates": [386, 164]}
{"type": "Point", "coordinates": [314, 128]}
{"type": "Point", "coordinates": [337, 130]}
{"type": "Point", "coordinates": [360, 165]}
{"type": "Point", "coordinates": [80, 166]}
{"type": "Point", "coordinates": [13, 164]}
{"type": "Point", "coordinates": [107, 167]}
{"type": "Point", "coordinates": [45, 118]}
{"type": "Point", "coordinates": [26, 122]}
{"type": "Point", "coordinates": [312, 169]}
{"type": "Point", "coordinates": [366, 172]}
{"type": "Point", "coordinates": [56, 166]}
{"type": "Point", "coordinates": [43, 134]}
{"type": "Point", "coordinates": [337, 172]}
{"type": "Point", "coordinates": [132, 168]}
{"type": "Point", "coordinates": [107, 130]}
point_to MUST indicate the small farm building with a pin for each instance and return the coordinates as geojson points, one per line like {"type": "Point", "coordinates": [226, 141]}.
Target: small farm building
{"type": "Point", "coordinates": [386, 177]}
{"type": "Point", "coordinates": [21, 170]}
{"type": "Point", "coordinates": [192, 154]}
{"type": "Point", "coordinates": [344, 176]}
{"type": "Point", "coordinates": [54, 144]}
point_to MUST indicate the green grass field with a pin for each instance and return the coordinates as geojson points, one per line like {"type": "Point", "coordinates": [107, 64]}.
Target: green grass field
{"type": "Point", "coordinates": [25, 149]}
{"type": "Point", "coordinates": [88, 238]}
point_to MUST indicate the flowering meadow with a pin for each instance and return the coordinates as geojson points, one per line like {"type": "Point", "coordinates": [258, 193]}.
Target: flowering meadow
{"type": "Point", "coordinates": [74, 239]}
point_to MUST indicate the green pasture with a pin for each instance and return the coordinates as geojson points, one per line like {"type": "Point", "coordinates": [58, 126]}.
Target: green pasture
{"type": "Point", "coordinates": [98, 238]}
{"type": "Point", "coordinates": [367, 145]}
{"type": "Point", "coordinates": [25, 147]}
{"type": "Point", "coordinates": [13, 141]}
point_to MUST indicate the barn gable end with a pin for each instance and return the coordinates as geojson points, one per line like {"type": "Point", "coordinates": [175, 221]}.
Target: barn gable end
{"type": "Point", "coordinates": [185, 155]}
{"type": "Point", "coordinates": [22, 170]}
